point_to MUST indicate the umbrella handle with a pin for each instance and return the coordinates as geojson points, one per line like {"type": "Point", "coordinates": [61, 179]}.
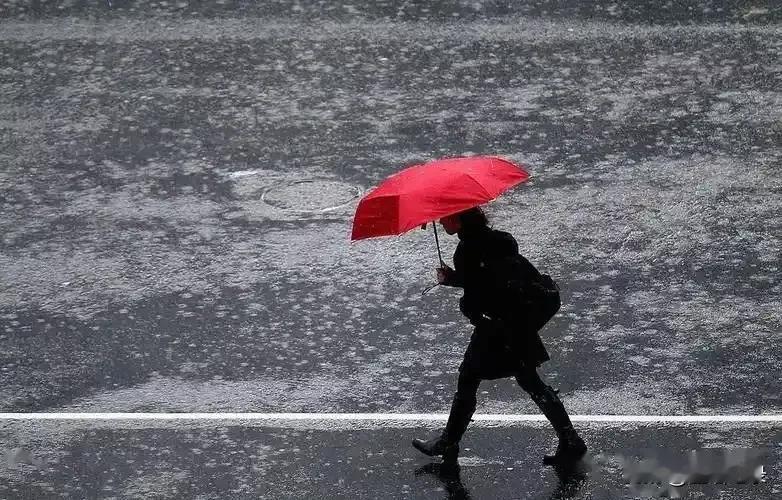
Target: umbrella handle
{"type": "Point", "coordinates": [437, 241]}
{"type": "Point", "coordinates": [439, 255]}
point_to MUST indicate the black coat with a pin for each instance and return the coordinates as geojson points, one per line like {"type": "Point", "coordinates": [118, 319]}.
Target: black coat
{"type": "Point", "coordinates": [501, 342]}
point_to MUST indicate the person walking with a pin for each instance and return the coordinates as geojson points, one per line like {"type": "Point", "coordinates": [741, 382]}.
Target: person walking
{"type": "Point", "coordinates": [504, 343]}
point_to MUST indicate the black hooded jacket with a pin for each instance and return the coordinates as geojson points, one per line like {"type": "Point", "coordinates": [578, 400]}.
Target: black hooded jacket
{"type": "Point", "coordinates": [482, 301]}
{"type": "Point", "coordinates": [477, 249]}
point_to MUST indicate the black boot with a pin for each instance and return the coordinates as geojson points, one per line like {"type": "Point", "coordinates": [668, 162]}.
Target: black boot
{"type": "Point", "coordinates": [447, 444]}
{"type": "Point", "coordinates": [571, 447]}
{"type": "Point", "coordinates": [438, 446]}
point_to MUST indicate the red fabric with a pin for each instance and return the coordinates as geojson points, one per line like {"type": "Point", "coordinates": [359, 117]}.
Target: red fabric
{"type": "Point", "coordinates": [425, 193]}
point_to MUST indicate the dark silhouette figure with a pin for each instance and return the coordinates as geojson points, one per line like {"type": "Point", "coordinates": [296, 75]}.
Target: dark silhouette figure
{"type": "Point", "coordinates": [505, 342]}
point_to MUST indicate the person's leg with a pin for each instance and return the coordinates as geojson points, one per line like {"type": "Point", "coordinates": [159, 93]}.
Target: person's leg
{"type": "Point", "coordinates": [462, 409]}
{"type": "Point", "coordinates": [571, 446]}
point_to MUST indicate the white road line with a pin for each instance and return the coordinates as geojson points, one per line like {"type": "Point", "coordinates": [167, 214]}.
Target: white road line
{"type": "Point", "coordinates": [387, 417]}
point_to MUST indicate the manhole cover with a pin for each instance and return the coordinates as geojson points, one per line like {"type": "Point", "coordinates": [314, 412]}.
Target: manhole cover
{"type": "Point", "coordinates": [311, 195]}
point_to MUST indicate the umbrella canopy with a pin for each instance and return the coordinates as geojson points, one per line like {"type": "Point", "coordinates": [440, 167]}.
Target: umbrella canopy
{"type": "Point", "coordinates": [428, 192]}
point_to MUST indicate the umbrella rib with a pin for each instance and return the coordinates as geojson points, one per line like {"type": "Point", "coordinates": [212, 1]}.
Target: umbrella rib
{"type": "Point", "coordinates": [485, 192]}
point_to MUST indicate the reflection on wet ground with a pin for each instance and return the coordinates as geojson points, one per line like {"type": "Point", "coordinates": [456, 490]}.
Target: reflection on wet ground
{"type": "Point", "coordinates": [570, 479]}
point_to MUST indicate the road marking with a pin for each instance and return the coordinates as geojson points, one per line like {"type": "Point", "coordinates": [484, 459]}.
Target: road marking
{"type": "Point", "coordinates": [387, 417]}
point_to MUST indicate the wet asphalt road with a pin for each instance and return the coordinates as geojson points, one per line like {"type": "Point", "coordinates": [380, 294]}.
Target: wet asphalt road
{"type": "Point", "coordinates": [177, 182]}
{"type": "Point", "coordinates": [163, 460]}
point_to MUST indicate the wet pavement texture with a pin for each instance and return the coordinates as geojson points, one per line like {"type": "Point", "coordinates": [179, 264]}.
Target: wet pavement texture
{"type": "Point", "coordinates": [170, 460]}
{"type": "Point", "coordinates": [177, 184]}
{"type": "Point", "coordinates": [679, 11]}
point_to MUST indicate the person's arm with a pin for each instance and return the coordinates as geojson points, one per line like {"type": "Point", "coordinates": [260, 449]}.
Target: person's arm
{"type": "Point", "coordinates": [507, 245]}
{"type": "Point", "coordinates": [453, 277]}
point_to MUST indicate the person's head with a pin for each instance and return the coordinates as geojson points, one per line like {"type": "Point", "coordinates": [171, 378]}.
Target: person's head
{"type": "Point", "coordinates": [472, 218]}
{"type": "Point", "coordinates": [451, 223]}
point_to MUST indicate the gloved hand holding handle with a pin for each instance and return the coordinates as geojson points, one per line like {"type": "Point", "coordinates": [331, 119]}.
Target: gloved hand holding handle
{"type": "Point", "coordinates": [444, 274]}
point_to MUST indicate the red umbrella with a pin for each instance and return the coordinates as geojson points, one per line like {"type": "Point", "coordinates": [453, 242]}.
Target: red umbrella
{"type": "Point", "coordinates": [425, 193]}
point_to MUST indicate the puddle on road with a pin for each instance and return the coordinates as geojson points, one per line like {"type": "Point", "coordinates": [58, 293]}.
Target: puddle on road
{"type": "Point", "coordinates": [271, 194]}
{"type": "Point", "coordinates": [311, 195]}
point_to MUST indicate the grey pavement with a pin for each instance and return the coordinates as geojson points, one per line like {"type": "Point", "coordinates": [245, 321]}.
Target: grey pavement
{"type": "Point", "coordinates": [177, 183]}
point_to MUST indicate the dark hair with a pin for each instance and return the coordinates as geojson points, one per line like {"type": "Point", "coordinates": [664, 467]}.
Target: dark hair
{"type": "Point", "coordinates": [473, 218]}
